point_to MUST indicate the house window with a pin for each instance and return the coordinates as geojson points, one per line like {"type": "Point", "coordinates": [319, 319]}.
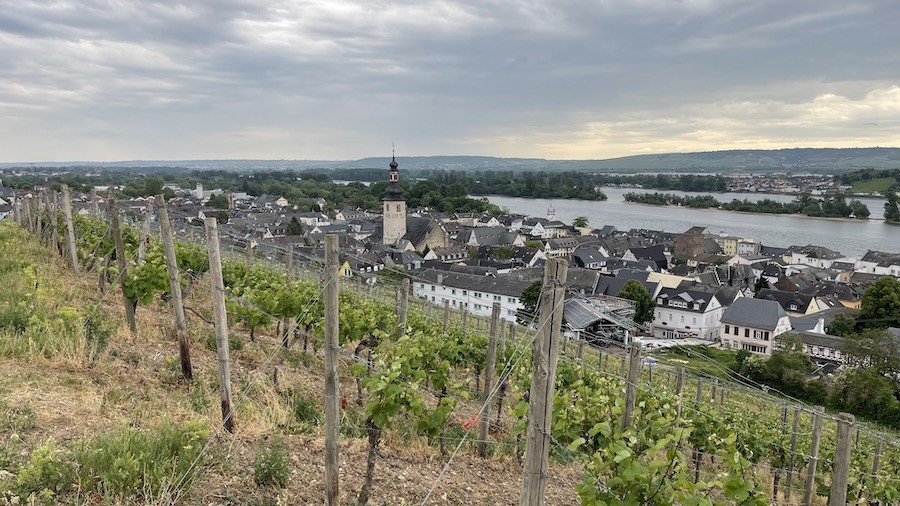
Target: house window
{"type": "Point", "coordinates": [793, 307]}
{"type": "Point", "coordinates": [465, 292]}
{"type": "Point", "coordinates": [737, 331]}
{"type": "Point", "coordinates": [398, 208]}
{"type": "Point", "coordinates": [453, 291]}
{"type": "Point", "coordinates": [727, 329]}
{"type": "Point", "coordinates": [432, 288]}
{"type": "Point", "coordinates": [421, 285]}
{"type": "Point", "coordinates": [670, 316]}
{"type": "Point", "coordinates": [746, 332]}
{"type": "Point", "coordinates": [693, 321]}
{"type": "Point", "coordinates": [511, 300]}
{"type": "Point", "coordinates": [432, 298]}
{"type": "Point", "coordinates": [682, 318]}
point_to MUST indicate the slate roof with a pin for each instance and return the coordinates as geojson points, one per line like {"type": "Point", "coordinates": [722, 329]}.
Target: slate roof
{"type": "Point", "coordinates": [881, 258]}
{"type": "Point", "coordinates": [500, 285]}
{"type": "Point", "coordinates": [586, 255]}
{"type": "Point", "coordinates": [786, 299]}
{"type": "Point", "coordinates": [756, 313]}
{"type": "Point", "coordinates": [809, 322]}
{"type": "Point", "coordinates": [813, 251]}
{"type": "Point", "coordinates": [823, 340]}
{"type": "Point", "coordinates": [689, 296]}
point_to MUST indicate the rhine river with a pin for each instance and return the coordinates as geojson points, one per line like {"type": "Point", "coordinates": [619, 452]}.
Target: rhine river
{"type": "Point", "coordinates": [852, 238]}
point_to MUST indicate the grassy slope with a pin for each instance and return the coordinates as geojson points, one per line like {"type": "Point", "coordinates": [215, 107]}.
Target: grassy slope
{"type": "Point", "coordinates": [879, 184]}
{"type": "Point", "coordinates": [51, 389]}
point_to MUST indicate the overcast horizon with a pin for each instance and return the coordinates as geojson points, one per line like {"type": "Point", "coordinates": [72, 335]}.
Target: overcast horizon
{"type": "Point", "coordinates": [342, 80]}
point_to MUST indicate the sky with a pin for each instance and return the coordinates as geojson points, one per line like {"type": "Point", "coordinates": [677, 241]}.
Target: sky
{"type": "Point", "coordinates": [110, 80]}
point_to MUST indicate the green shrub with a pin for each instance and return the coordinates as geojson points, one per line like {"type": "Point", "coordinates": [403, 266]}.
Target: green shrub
{"type": "Point", "coordinates": [234, 344]}
{"type": "Point", "coordinates": [14, 317]}
{"type": "Point", "coordinates": [271, 465]}
{"type": "Point", "coordinates": [47, 474]}
{"type": "Point", "coordinates": [98, 330]}
{"type": "Point", "coordinates": [305, 410]}
{"type": "Point", "coordinates": [132, 463]}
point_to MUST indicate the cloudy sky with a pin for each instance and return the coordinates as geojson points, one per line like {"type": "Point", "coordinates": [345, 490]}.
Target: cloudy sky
{"type": "Point", "coordinates": [341, 79]}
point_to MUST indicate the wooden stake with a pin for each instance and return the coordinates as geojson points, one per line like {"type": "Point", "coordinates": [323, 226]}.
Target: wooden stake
{"type": "Point", "coordinates": [631, 384]}
{"type": "Point", "coordinates": [220, 319]}
{"type": "Point", "coordinates": [120, 260]}
{"type": "Point", "coordinates": [543, 381]}
{"type": "Point", "coordinates": [679, 386]}
{"type": "Point", "coordinates": [489, 379]}
{"type": "Point", "coordinates": [70, 227]}
{"type": "Point", "coordinates": [810, 486]}
{"type": "Point", "coordinates": [332, 394]}
{"type": "Point", "coordinates": [790, 474]}
{"type": "Point", "coordinates": [446, 315]}
{"type": "Point", "coordinates": [841, 469]}
{"type": "Point", "coordinates": [403, 311]}
{"type": "Point", "coordinates": [145, 233]}
{"type": "Point", "coordinates": [165, 231]}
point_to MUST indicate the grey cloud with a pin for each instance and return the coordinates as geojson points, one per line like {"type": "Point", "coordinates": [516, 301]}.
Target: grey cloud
{"type": "Point", "coordinates": [341, 79]}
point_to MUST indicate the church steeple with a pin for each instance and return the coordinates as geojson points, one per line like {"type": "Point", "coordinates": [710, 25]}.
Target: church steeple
{"type": "Point", "coordinates": [394, 225]}
{"type": "Point", "coordinates": [394, 190]}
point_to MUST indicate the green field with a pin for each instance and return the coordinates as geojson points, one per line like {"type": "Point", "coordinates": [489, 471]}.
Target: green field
{"type": "Point", "coordinates": [873, 185]}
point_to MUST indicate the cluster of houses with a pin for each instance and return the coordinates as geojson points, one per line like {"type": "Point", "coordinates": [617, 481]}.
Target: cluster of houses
{"type": "Point", "coordinates": [708, 288]}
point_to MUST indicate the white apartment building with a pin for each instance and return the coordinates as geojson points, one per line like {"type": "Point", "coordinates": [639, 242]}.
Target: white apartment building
{"type": "Point", "coordinates": [473, 293]}
{"type": "Point", "coordinates": [686, 313]}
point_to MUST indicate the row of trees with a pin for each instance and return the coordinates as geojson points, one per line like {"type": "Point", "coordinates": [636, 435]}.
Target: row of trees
{"type": "Point", "coordinates": [870, 386]}
{"type": "Point", "coordinates": [834, 206]}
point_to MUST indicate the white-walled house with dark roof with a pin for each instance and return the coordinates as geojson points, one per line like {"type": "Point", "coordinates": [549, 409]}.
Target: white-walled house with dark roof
{"type": "Point", "coordinates": [686, 314]}
{"type": "Point", "coordinates": [753, 324]}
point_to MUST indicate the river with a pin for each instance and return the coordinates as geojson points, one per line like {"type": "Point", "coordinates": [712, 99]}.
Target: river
{"type": "Point", "coordinates": [852, 238]}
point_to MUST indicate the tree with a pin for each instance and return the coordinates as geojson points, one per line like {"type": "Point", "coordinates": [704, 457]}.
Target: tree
{"type": "Point", "coordinates": [530, 298]}
{"type": "Point", "coordinates": [842, 326]}
{"type": "Point", "coordinates": [218, 201]}
{"type": "Point", "coordinates": [580, 222]}
{"type": "Point", "coordinates": [760, 284]}
{"type": "Point", "coordinates": [875, 349]}
{"type": "Point", "coordinates": [643, 301]}
{"type": "Point", "coordinates": [881, 305]}
{"type": "Point", "coordinates": [865, 392]}
{"type": "Point", "coordinates": [891, 209]}
{"type": "Point", "coordinates": [153, 186]}
{"type": "Point", "coordinates": [859, 209]}
{"type": "Point", "coordinates": [221, 217]}
{"type": "Point", "coordinates": [294, 227]}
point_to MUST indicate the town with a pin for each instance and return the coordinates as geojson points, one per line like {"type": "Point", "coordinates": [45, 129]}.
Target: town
{"type": "Point", "coordinates": [707, 289]}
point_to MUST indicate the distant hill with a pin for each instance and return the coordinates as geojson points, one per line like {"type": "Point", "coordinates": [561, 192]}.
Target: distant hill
{"type": "Point", "coordinates": [748, 160]}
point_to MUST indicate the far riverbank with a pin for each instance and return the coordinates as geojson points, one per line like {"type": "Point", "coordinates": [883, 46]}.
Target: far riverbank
{"type": "Point", "coordinates": [793, 215]}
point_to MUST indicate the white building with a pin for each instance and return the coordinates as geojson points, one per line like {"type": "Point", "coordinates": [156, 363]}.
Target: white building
{"type": "Point", "coordinates": [753, 324]}
{"type": "Point", "coordinates": [475, 294]}
{"type": "Point", "coordinates": [687, 313]}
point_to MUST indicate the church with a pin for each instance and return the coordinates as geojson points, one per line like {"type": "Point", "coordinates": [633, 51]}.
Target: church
{"type": "Point", "coordinates": [409, 233]}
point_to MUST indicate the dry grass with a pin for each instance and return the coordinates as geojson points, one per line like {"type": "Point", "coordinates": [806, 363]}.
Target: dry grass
{"type": "Point", "coordinates": [135, 381]}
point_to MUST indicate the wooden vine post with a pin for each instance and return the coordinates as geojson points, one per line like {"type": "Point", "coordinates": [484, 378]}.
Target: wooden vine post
{"type": "Point", "coordinates": [165, 231]}
{"type": "Point", "coordinates": [404, 305]}
{"type": "Point", "coordinates": [332, 395]}
{"type": "Point", "coordinates": [490, 361]}
{"type": "Point", "coordinates": [446, 315]}
{"type": "Point", "coordinates": [790, 473]}
{"type": "Point", "coordinates": [679, 386]}
{"type": "Point", "coordinates": [220, 319]}
{"type": "Point", "coordinates": [810, 486]}
{"type": "Point", "coordinates": [120, 260]}
{"type": "Point", "coordinates": [70, 227]}
{"type": "Point", "coordinates": [543, 381]}
{"type": "Point", "coordinates": [631, 383]}
{"type": "Point", "coordinates": [54, 221]}
{"type": "Point", "coordinates": [840, 472]}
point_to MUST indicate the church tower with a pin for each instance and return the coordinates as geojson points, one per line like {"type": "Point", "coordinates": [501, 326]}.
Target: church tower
{"type": "Point", "coordinates": [394, 207]}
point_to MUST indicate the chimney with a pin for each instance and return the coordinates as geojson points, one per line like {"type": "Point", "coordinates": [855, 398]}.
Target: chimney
{"type": "Point", "coordinates": [820, 327]}
{"type": "Point", "coordinates": [440, 279]}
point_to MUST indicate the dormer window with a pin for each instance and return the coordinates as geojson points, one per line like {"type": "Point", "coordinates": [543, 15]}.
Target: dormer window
{"type": "Point", "coordinates": [793, 307]}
